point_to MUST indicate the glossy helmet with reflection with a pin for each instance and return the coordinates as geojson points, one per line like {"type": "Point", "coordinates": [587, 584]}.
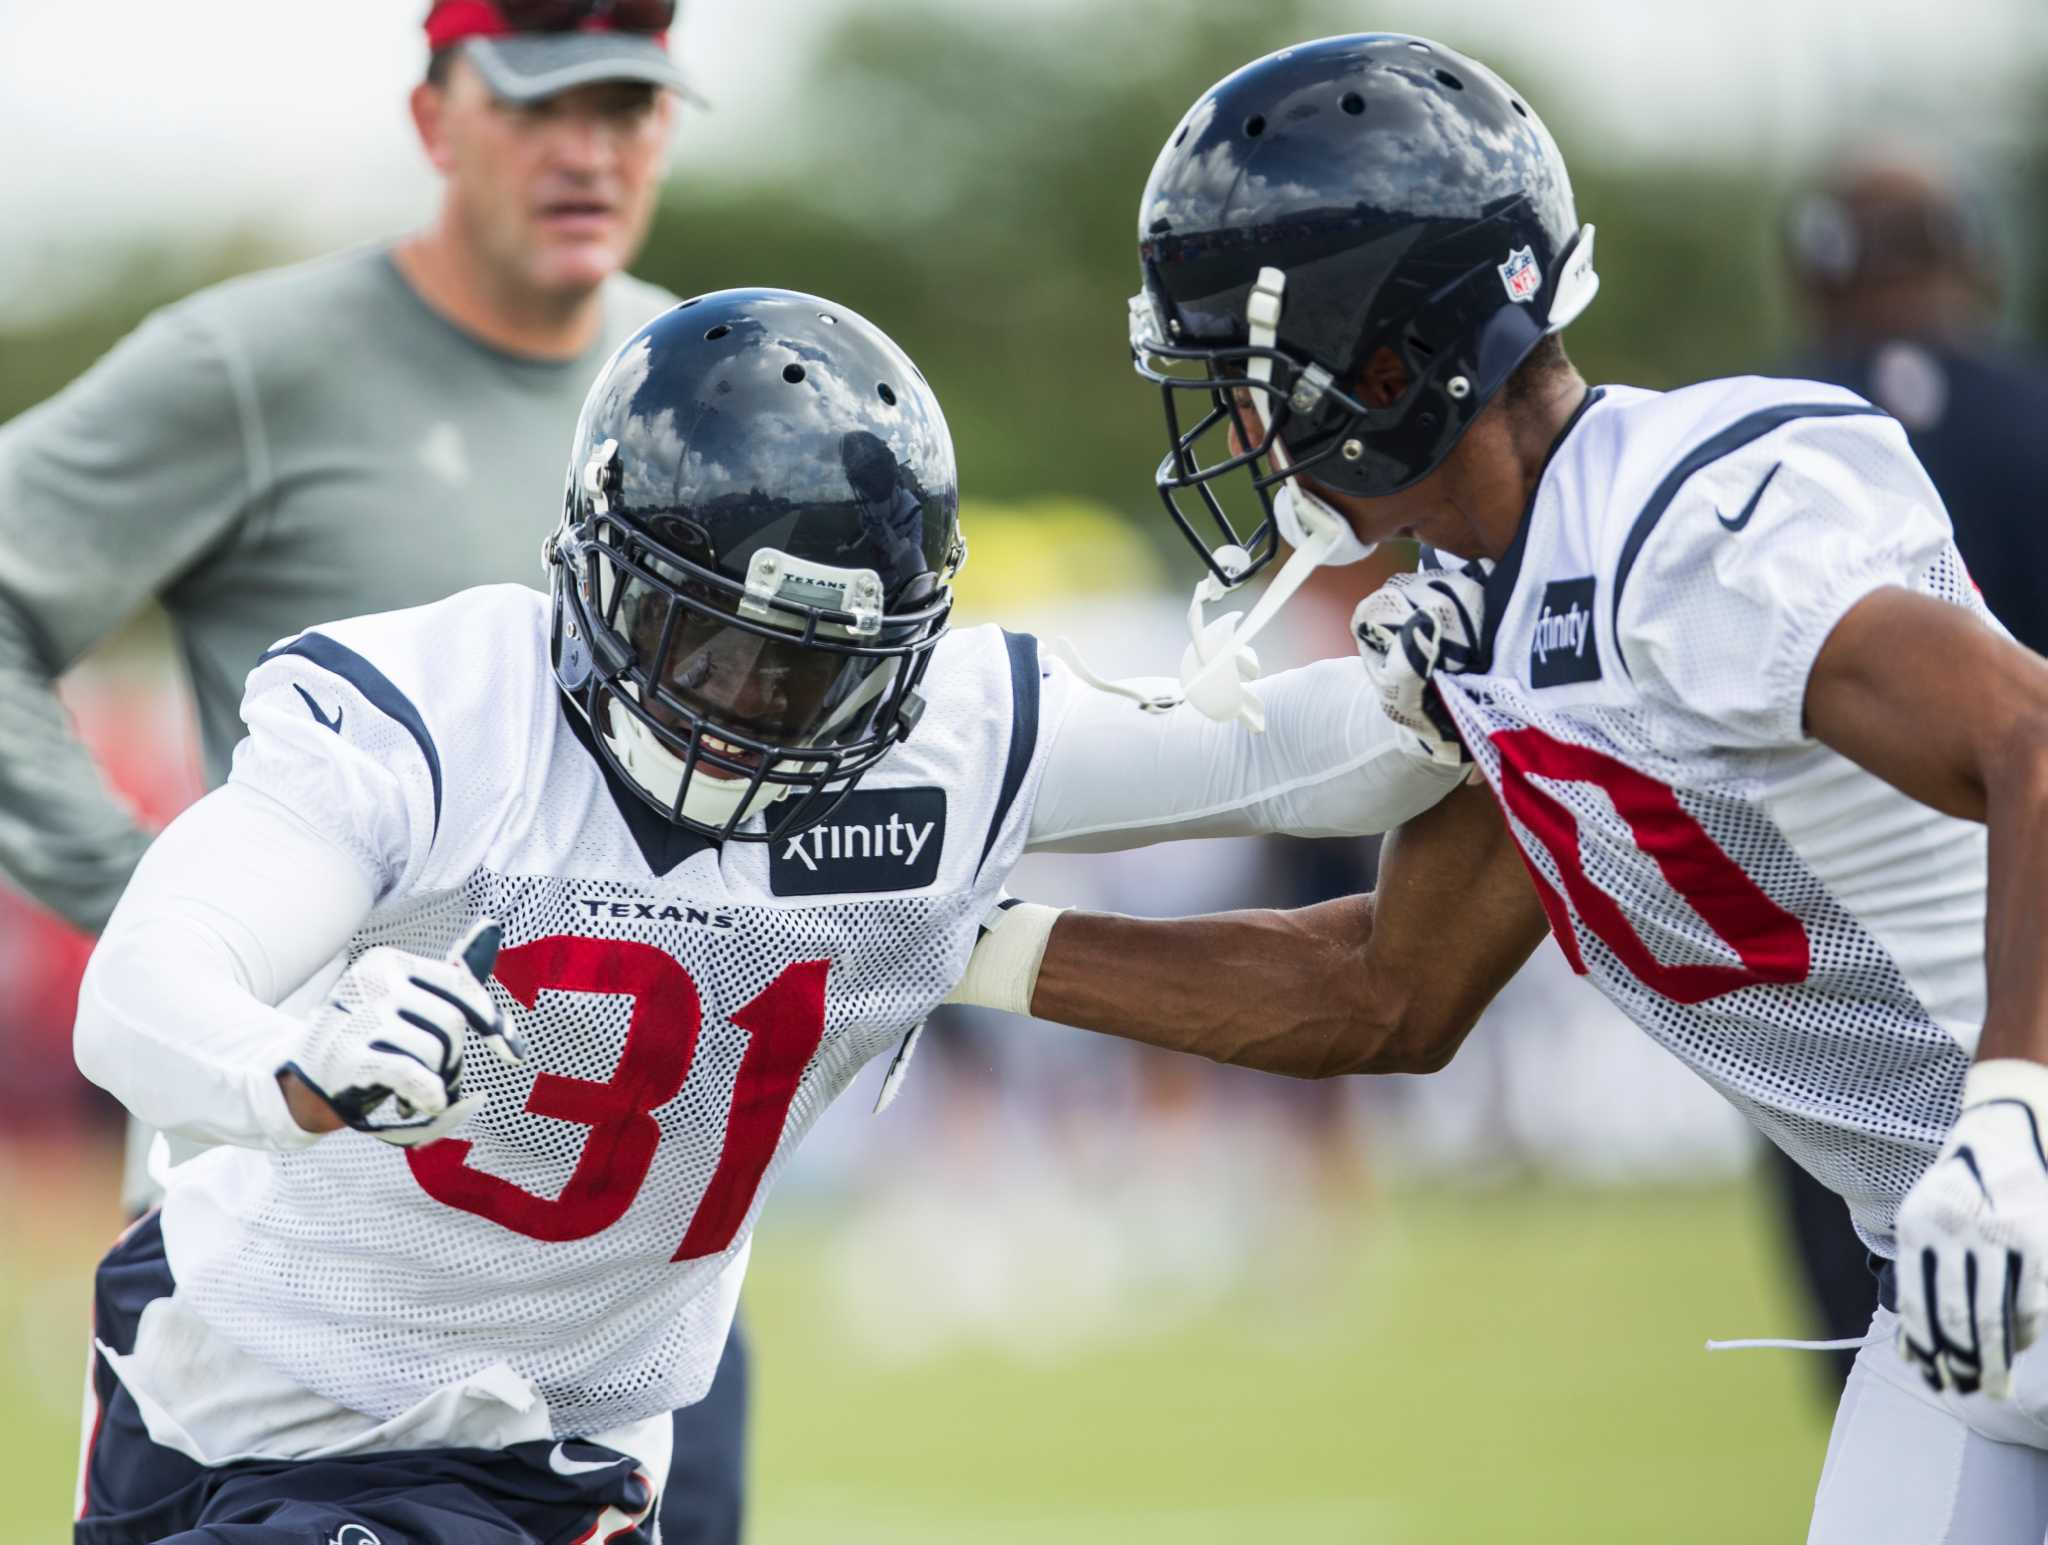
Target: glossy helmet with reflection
{"type": "Point", "coordinates": [752, 568]}
{"type": "Point", "coordinates": [1316, 207]}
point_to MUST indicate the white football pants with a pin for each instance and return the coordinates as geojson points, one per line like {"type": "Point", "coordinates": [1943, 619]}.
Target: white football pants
{"type": "Point", "coordinates": [1907, 1466]}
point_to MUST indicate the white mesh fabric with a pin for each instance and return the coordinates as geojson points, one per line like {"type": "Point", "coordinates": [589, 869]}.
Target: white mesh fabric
{"type": "Point", "coordinates": [362, 1286]}
{"type": "Point", "coordinates": [1846, 1070]}
{"type": "Point", "coordinates": [354, 1273]}
{"type": "Point", "coordinates": [1854, 1066]}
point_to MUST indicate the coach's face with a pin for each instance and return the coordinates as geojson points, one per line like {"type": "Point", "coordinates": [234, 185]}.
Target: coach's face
{"type": "Point", "coordinates": [554, 196]}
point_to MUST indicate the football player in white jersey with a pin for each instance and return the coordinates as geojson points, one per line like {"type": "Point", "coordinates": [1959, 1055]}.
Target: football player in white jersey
{"type": "Point", "coordinates": [684, 845]}
{"type": "Point", "coordinates": [1714, 653]}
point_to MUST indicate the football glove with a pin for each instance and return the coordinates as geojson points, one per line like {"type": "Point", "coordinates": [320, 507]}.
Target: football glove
{"type": "Point", "coordinates": [386, 1051]}
{"type": "Point", "coordinates": [1411, 627]}
{"type": "Point", "coordinates": [1973, 1235]}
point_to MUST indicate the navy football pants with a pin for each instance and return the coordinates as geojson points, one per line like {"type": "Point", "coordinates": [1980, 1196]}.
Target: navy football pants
{"type": "Point", "coordinates": [138, 1493]}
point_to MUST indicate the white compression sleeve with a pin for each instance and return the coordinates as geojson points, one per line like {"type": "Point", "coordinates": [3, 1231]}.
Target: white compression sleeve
{"type": "Point", "coordinates": [1329, 765]}
{"type": "Point", "coordinates": [232, 909]}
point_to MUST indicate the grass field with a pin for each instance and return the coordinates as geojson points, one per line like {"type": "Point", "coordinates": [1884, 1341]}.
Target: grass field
{"type": "Point", "coordinates": [1499, 1366]}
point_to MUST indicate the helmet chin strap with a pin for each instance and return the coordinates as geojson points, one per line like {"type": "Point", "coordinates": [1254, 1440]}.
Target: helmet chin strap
{"type": "Point", "coordinates": [1219, 665]}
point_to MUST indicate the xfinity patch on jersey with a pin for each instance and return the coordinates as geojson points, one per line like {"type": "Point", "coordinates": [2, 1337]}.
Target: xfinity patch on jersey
{"type": "Point", "coordinates": [877, 840]}
{"type": "Point", "coordinates": [1563, 649]}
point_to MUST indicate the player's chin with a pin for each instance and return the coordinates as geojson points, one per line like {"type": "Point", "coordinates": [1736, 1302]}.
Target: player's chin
{"type": "Point", "coordinates": [1445, 536]}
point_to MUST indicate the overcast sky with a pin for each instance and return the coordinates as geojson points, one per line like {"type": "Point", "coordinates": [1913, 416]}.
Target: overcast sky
{"type": "Point", "coordinates": [127, 116]}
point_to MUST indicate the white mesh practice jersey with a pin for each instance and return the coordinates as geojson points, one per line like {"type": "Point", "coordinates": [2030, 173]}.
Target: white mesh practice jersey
{"type": "Point", "coordinates": [690, 1011]}
{"type": "Point", "coordinates": [1805, 937]}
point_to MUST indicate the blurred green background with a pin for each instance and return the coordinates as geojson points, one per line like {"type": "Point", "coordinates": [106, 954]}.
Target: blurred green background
{"type": "Point", "coordinates": [1515, 1360]}
{"type": "Point", "coordinates": [967, 175]}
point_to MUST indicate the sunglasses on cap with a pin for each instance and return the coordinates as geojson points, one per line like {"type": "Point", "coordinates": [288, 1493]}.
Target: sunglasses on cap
{"type": "Point", "coordinates": [569, 15]}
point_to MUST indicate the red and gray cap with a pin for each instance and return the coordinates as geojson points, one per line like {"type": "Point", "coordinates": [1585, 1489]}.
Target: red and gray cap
{"type": "Point", "coordinates": [530, 49]}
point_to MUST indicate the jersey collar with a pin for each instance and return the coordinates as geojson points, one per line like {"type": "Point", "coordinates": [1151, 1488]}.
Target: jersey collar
{"type": "Point", "coordinates": [1500, 584]}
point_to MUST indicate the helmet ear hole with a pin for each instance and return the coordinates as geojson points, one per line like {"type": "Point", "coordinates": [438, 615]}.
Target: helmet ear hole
{"type": "Point", "coordinates": [1384, 378]}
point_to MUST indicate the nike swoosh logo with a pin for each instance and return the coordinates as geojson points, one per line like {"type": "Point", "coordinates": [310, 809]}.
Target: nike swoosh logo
{"type": "Point", "coordinates": [562, 1464]}
{"type": "Point", "coordinates": [333, 724]}
{"type": "Point", "coordinates": [1749, 509]}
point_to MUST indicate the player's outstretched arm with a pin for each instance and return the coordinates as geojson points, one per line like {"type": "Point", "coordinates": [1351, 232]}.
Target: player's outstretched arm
{"type": "Point", "coordinates": [1945, 709]}
{"type": "Point", "coordinates": [1329, 764]}
{"type": "Point", "coordinates": [1385, 983]}
{"type": "Point", "coordinates": [1345, 750]}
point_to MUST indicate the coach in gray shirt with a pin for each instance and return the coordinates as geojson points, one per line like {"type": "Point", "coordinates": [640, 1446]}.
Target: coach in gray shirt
{"type": "Point", "coordinates": [357, 434]}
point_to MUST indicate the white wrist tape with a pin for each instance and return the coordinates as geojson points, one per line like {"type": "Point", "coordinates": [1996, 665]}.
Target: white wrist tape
{"type": "Point", "coordinates": [2007, 1078]}
{"type": "Point", "coordinates": [1003, 970]}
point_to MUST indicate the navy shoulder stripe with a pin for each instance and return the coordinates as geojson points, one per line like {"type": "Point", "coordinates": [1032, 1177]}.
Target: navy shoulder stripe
{"type": "Point", "coordinates": [377, 690]}
{"type": "Point", "coordinates": [1738, 434]}
{"type": "Point", "coordinates": [1023, 649]}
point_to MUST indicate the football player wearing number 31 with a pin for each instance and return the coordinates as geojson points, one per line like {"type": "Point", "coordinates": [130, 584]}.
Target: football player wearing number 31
{"type": "Point", "coordinates": [1755, 737]}
{"type": "Point", "coordinates": [683, 845]}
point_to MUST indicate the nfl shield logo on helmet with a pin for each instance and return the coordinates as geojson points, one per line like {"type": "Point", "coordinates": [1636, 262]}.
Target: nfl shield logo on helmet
{"type": "Point", "coordinates": [1521, 276]}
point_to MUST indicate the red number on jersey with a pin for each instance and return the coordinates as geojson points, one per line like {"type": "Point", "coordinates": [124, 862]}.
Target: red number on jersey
{"type": "Point", "coordinates": [1770, 942]}
{"type": "Point", "coordinates": [786, 1022]}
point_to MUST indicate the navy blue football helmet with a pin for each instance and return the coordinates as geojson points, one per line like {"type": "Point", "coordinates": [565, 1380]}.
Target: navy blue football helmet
{"type": "Point", "coordinates": [1325, 203]}
{"type": "Point", "coordinates": [751, 574]}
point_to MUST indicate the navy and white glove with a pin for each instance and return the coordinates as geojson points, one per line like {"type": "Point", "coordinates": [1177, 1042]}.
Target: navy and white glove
{"type": "Point", "coordinates": [386, 1051]}
{"type": "Point", "coordinates": [1973, 1235]}
{"type": "Point", "coordinates": [1411, 627]}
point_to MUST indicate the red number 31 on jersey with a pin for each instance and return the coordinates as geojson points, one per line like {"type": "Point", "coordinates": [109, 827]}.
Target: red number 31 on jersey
{"type": "Point", "coordinates": [785, 1023]}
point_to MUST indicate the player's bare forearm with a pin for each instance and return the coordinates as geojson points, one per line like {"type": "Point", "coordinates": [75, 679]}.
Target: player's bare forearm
{"type": "Point", "coordinates": [1926, 697]}
{"type": "Point", "coordinates": [1196, 984]}
{"type": "Point", "coordinates": [1386, 983]}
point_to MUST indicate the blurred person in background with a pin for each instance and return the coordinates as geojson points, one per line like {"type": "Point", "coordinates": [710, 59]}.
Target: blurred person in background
{"type": "Point", "coordinates": [1898, 279]}
{"type": "Point", "coordinates": [361, 433]}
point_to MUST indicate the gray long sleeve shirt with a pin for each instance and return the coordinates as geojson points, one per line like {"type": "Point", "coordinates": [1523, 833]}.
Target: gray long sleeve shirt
{"type": "Point", "coordinates": [288, 448]}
